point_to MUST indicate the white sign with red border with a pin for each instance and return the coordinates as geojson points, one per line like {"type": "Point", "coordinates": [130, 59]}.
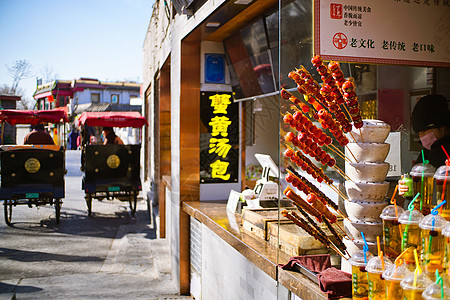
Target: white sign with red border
{"type": "Point", "coordinates": [407, 32]}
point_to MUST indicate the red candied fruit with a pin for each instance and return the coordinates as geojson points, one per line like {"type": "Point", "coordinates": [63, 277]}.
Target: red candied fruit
{"type": "Point", "coordinates": [316, 60]}
{"type": "Point", "coordinates": [289, 137]}
{"type": "Point", "coordinates": [289, 177]}
{"type": "Point", "coordinates": [313, 129]}
{"type": "Point", "coordinates": [285, 94]}
{"type": "Point", "coordinates": [331, 162]}
{"type": "Point", "coordinates": [328, 141]}
{"type": "Point", "coordinates": [289, 153]}
{"type": "Point", "coordinates": [343, 141]}
{"type": "Point", "coordinates": [348, 86]}
{"type": "Point", "coordinates": [305, 108]}
{"type": "Point", "coordinates": [297, 116]}
{"type": "Point", "coordinates": [295, 181]}
{"type": "Point", "coordinates": [293, 75]}
{"type": "Point", "coordinates": [311, 198]}
{"type": "Point", "coordinates": [287, 118]}
{"type": "Point", "coordinates": [358, 124]}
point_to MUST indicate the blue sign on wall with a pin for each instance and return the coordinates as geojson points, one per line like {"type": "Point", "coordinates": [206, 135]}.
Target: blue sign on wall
{"type": "Point", "coordinates": [214, 68]}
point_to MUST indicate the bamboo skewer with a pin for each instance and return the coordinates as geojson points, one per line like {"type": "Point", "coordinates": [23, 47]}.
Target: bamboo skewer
{"type": "Point", "coordinates": [337, 191]}
{"type": "Point", "coordinates": [345, 176]}
{"type": "Point", "coordinates": [337, 149]}
{"type": "Point", "coordinates": [353, 137]}
{"type": "Point", "coordinates": [351, 153]}
{"type": "Point", "coordinates": [360, 134]}
{"type": "Point", "coordinates": [339, 153]}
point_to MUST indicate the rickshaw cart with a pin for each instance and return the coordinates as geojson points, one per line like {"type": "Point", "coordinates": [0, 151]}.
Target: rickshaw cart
{"type": "Point", "coordinates": [32, 174]}
{"type": "Point", "coordinates": [111, 171]}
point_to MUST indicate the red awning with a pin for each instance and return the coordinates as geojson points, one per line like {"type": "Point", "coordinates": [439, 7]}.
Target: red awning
{"type": "Point", "coordinates": [113, 119]}
{"type": "Point", "coordinates": [32, 117]}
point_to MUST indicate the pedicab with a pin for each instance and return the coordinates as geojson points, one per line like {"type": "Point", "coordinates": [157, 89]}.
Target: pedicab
{"type": "Point", "coordinates": [112, 170]}
{"type": "Point", "coordinates": [32, 174]}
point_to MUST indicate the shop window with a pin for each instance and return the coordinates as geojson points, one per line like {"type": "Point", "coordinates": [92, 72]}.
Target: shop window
{"type": "Point", "coordinates": [95, 97]}
{"type": "Point", "coordinates": [61, 101]}
{"type": "Point", "coordinates": [115, 99]}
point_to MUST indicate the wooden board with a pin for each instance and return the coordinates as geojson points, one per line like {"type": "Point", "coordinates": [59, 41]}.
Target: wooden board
{"type": "Point", "coordinates": [294, 240]}
{"type": "Point", "coordinates": [257, 220]}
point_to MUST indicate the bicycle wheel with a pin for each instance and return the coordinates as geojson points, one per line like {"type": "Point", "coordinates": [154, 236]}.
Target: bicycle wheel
{"type": "Point", "coordinates": [58, 204]}
{"type": "Point", "coordinates": [8, 211]}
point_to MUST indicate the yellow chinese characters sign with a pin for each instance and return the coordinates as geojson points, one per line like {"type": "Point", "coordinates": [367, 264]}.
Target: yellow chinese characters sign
{"type": "Point", "coordinates": [219, 138]}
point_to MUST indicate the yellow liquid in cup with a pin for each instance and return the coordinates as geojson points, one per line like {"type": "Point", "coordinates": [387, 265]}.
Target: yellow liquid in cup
{"type": "Point", "coordinates": [439, 190]}
{"type": "Point", "coordinates": [412, 294]}
{"type": "Point", "coordinates": [411, 242]}
{"type": "Point", "coordinates": [360, 286]}
{"type": "Point", "coordinates": [393, 290]}
{"type": "Point", "coordinates": [434, 252]}
{"type": "Point", "coordinates": [392, 238]}
{"type": "Point", "coordinates": [377, 287]}
{"type": "Point", "coordinates": [426, 194]}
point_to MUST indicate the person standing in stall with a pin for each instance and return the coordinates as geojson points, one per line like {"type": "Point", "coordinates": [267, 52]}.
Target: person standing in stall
{"type": "Point", "coordinates": [38, 136]}
{"type": "Point", "coordinates": [431, 120]}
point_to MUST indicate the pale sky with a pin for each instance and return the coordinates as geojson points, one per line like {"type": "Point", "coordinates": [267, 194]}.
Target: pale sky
{"type": "Point", "coordinates": [84, 38]}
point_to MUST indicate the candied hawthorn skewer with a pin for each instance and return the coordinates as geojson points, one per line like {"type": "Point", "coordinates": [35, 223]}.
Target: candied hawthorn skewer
{"type": "Point", "coordinates": [312, 231]}
{"type": "Point", "coordinates": [297, 220]}
{"type": "Point", "coordinates": [288, 96]}
{"type": "Point", "coordinates": [306, 165]}
{"type": "Point", "coordinates": [302, 203]}
{"type": "Point", "coordinates": [316, 190]}
{"type": "Point", "coordinates": [317, 204]}
{"type": "Point", "coordinates": [352, 102]}
{"type": "Point", "coordinates": [332, 93]}
{"type": "Point", "coordinates": [336, 235]}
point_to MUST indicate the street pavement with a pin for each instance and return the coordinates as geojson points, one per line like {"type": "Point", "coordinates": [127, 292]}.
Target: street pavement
{"type": "Point", "coordinates": [110, 255]}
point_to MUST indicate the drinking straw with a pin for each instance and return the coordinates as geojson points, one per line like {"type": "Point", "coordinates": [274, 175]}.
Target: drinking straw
{"type": "Point", "coordinates": [446, 174]}
{"type": "Point", "coordinates": [398, 262]}
{"type": "Point", "coordinates": [405, 233]}
{"type": "Point", "coordinates": [424, 162]}
{"type": "Point", "coordinates": [440, 281]}
{"type": "Point", "coordinates": [418, 270]}
{"type": "Point", "coordinates": [394, 201]}
{"type": "Point", "coordinates": [434, 212]}
{"type": "Point", "coordinates": [365, 247]}
{"type": "Point", "coordinates": [380, 253]}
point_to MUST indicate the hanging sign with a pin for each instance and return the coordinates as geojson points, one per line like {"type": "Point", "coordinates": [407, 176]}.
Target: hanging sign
{"type": "Point", "coordinates": [219, 138]}
{"type": "Point", "coordinates": [405, 32]}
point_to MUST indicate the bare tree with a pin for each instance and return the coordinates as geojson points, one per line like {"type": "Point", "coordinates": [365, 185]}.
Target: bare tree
{"type": "Point", "coordinates": [48, 74]}
{"type": "Point", "coordinates": [21, 69]}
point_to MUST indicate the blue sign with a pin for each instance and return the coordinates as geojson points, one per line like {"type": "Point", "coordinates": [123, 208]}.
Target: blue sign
{"type": "Point", "coordinates": [214, 68]}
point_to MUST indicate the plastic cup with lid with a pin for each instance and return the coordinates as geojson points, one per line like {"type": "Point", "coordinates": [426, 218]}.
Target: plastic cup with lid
{"type": "Point", "coordinates": [375, 267]}
{"type": "Point", "coordinates": [393, 276]}
{"type": "Point", "coordinates": [433, 241]}
{"type": "Point", "coordinates": [360, 285]}
{"type": "Point", "coordinates": [414, 284]}
{"type": "Point", "coordinates": [442, 178]}
{"type": "Point", "coordinates": [435, 291]}
{"type": "Point", "coordinates": [392, 230]}
{"type": "Point", "coordinates": [411, 239]}
{"type": "Point", "coordinates": [446, 234]}
{"type": "Point", "coordinates": [422, 175]}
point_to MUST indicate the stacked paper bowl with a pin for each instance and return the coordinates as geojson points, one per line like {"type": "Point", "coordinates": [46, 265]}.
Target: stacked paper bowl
{"type": "Point", "coordinates": [367, 189]}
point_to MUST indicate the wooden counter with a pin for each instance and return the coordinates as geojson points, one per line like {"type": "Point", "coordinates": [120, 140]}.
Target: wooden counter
{"type": "Point", "coordinates": [265, 256]}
